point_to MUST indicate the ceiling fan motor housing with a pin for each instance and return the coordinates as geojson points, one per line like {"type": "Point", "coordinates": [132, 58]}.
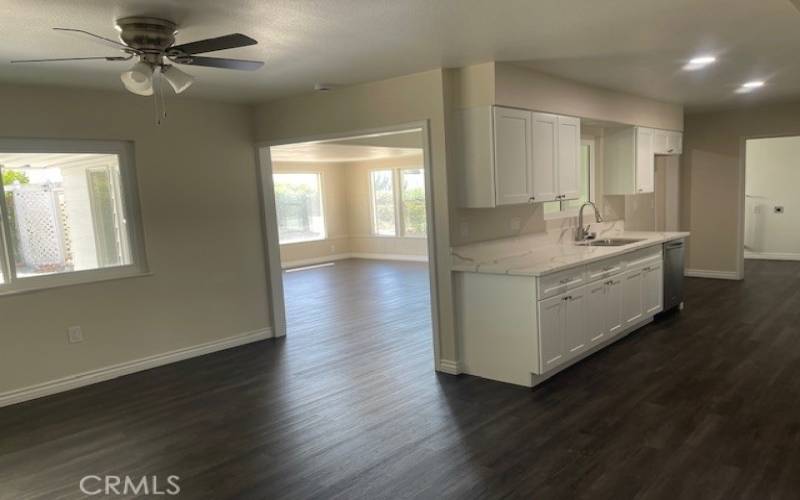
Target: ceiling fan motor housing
{"type": "Point", "coordinates": [148, 35]}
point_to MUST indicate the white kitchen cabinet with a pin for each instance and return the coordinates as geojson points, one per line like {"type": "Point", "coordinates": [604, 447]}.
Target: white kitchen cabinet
{"type": "Point", "coordinates": [652, 289]}
{"type": "Point", "coordinates": [667, 142]}
{"type": "Point", "coordinates": [545, 157]}
{"type": "Point", "coordinates": [615, 320]}
{"type": "Point", "coordinates": [575, 331]}
{"type": "Point", "coordinates": [632, 301]}
{"type": "Point", "coordinates": [512, 139]}
{"type": "Point", "coordinates": [511, 156]}
{"type": "Point", "coordinates": [552, 324]}
{"type": "Point", "coordinates": [569, 158]}
{"type": "Point", "coordinates": [596, 312]}
{"type": "Point", "coordinates": [629, 161]}
{"type": "Point", "coordinates": [645, 161]}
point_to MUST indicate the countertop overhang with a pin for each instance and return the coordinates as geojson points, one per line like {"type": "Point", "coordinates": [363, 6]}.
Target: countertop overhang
{"type": "Point", "coordinates": [553, 257]}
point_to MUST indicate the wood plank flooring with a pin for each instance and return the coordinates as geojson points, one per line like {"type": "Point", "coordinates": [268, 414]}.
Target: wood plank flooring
{"type": "Point", "coordinates": [702, 404]}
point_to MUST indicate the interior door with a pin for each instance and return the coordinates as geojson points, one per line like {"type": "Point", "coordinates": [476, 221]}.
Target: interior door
{"type": "Point", "coordinates": [551, 332]}
{"type": "Point", "coordinates": [645, 160]}
{"type": "Point", "coordinates": [545, 150]}
{"type": "Point", "coordinates": [569, 157]}
{"type": "Point", "coordinates": [512, 136]}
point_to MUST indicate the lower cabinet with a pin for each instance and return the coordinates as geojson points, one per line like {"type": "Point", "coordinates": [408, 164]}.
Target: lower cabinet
{"type": "Point", "coordinates": [580, 319]}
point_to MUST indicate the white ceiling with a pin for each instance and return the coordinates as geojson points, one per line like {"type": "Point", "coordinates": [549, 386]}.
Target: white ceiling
{"type": "Point", "coordinates": [631, 45]}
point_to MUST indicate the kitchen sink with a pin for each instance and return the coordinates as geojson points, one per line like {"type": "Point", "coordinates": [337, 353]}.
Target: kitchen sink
{"type": "Point", "coordinates": [609, 242]}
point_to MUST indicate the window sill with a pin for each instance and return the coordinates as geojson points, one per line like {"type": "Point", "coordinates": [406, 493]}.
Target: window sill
{"type": "Point", "coordinates": [49, 282]}
{"type": "Point", "coordinates": [290, 243]}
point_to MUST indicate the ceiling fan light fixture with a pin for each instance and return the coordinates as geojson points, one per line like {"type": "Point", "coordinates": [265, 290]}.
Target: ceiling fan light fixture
{"type": "Point", "coordinates": [139, 79]}
{"type": "Point", "coordinates": [178, 80]}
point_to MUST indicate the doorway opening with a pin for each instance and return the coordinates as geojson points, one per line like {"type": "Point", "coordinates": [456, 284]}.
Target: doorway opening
{"type": "Point", "coordinates": [771, 205]}
{"type": "Point", "coordinates": [349, 232]}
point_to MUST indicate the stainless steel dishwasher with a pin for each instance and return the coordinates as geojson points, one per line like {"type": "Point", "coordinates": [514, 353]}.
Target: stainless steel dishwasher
{"type": "Point", "coordinates": [673, 274]}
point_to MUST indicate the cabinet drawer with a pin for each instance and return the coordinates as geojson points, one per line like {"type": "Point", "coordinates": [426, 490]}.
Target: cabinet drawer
{"type": "Point", "coordinates": [560, 282]}
{"type": "Point", "coordinates": [645, 257]}
{"type": "Point", "coordinates": [604, 269]}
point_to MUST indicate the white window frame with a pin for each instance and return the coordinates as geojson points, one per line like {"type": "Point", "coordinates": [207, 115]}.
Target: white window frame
{"type": "Point", "coordinates": [321, 188]}
{"type": "Point", "coordinates": [573, 212]}
{"type": "Point", "coordinates": [124, 151]}
{"type": "Point", "coordinates": [399, 220]}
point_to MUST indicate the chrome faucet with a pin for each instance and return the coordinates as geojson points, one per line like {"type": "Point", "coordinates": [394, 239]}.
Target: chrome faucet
{"type": "Point", "coordinates": [582, 233]}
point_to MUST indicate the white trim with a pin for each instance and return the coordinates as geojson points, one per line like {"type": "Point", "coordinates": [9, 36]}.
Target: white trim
{"type": "Point", "coordinates": [274, 276]}
{"type": "Point", "coordinates": [707, 273]}
{"type": "Point", "coordinates": [389, 256]}
{"type": "Point", "coordinates": [128, 367]}
{"type": "Point", "coordinates": [449, 366]}
{"type": "Point", "coordinates": [771, 256]}
{"type": "Point", "coordinates": [314, 260]}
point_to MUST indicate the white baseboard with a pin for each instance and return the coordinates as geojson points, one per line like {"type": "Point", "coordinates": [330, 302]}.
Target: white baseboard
{"type": "Point", "coordinates": [316, 260]}
{"type": "Point", "coordinates": [704, 273]}
{"type": "Point", "coordinates": [449, 366]}
{"type": "Point", "coordinates": [390, 256]}
{"type": "Point", "coordinates": [128, 367]}
{"type": "Point", "coordinates": [771, 256]}
{"type": "Point", "coordinates": [355, 255]}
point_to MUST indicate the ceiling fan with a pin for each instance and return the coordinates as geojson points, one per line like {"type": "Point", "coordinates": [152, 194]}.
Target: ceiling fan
{"type": "Point", "coordinates": [151, 42]}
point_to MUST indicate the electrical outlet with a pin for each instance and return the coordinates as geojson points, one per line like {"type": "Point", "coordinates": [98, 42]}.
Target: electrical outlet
{"type": "Point", "coordinates": [515, 223]}
{"type": "Point", "coordinates": [333, 248]}
{"type": "Point", "coordinates": [464, 228]}
{"type": "Point", "coordinates": [74, 334]}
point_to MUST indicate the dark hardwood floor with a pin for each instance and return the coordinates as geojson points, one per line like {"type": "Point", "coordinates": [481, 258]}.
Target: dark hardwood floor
{"type": "Point", "coordinates": [701, 404]}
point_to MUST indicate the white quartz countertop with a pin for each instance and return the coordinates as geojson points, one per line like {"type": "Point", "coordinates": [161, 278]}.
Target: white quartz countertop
{"type": "Point", "coordinates": [526, 257]}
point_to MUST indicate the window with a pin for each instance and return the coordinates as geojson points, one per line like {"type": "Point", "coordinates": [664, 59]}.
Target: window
{"type": "Point", "coordinates": [569, 208]}
{"type": "Point", "coordinates": [398, 202]}
{"type": "Point", "coordinates": [68, 212]}
{"type": "Point", "coordinates": [298, 201]}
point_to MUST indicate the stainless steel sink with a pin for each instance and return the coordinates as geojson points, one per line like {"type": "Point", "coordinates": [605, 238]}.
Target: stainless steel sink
{"type": "Point", "coordinates": [609, 242]}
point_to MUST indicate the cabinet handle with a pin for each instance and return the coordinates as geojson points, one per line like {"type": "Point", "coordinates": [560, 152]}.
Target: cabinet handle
{"type": "Point", "coordinates": [564, 281]}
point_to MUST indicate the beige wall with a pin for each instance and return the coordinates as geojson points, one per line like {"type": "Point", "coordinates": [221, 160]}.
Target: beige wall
{"type": "Point", "coordinates": [373, 105]}
{"type": "Point", "coordinates": [711, 184]}
{"type": "Point", "coordinates": [200, 213]}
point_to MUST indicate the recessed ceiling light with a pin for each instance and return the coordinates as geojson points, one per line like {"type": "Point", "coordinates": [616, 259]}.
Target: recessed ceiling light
{"type": "Point", "coordinates": [753, 85]}
{"type": "Point", "coordinates": [703, 60]}
{"type": "Point", "coordinates": [699, 62]}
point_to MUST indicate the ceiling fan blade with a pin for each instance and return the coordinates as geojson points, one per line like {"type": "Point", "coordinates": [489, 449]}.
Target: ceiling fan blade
{"type": "Point", "coordinates": [105, 41]}
{"type": "Point", "coordinates": [211, 44]}
{"type": "Point", "coordinates": [111, 58]}
{"type": "Point", "coordinates": [219, 62]}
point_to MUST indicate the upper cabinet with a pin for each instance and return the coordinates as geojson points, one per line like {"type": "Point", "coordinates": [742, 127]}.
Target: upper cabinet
{"type": "Point", "coordinates": [667, 142]}
{"type": "Point", "coordinates": [629, 157]}
{"type": "Point", "coordinates": [511, 156]}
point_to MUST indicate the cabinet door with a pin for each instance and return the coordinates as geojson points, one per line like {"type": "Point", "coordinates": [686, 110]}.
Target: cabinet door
{"type": "Point", "coordinates": [615, 319]}
{"type": "Point", "coordinates": [596, 312]}
{"type": "Point", "coordinates": [675, 143]}
{"type": "Point", "coordinates": [552, 317]}
{"type": "Point", "coordinates": [575, 333]}
{"type": "Point", "coordinates": [545, 151]}
{"type": "Point", "coordinates": [653, 289]}
{"type": "Point", "coordinates": [645, 161]}
{"type": "Point", "coordinates": [512, 155]}
{"type": "Point", "coordinates": [660, 142]}
{"type": "Point", "coordinates": [632, 306]}
{"type": "Point", "coordinates": [569, 157]}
